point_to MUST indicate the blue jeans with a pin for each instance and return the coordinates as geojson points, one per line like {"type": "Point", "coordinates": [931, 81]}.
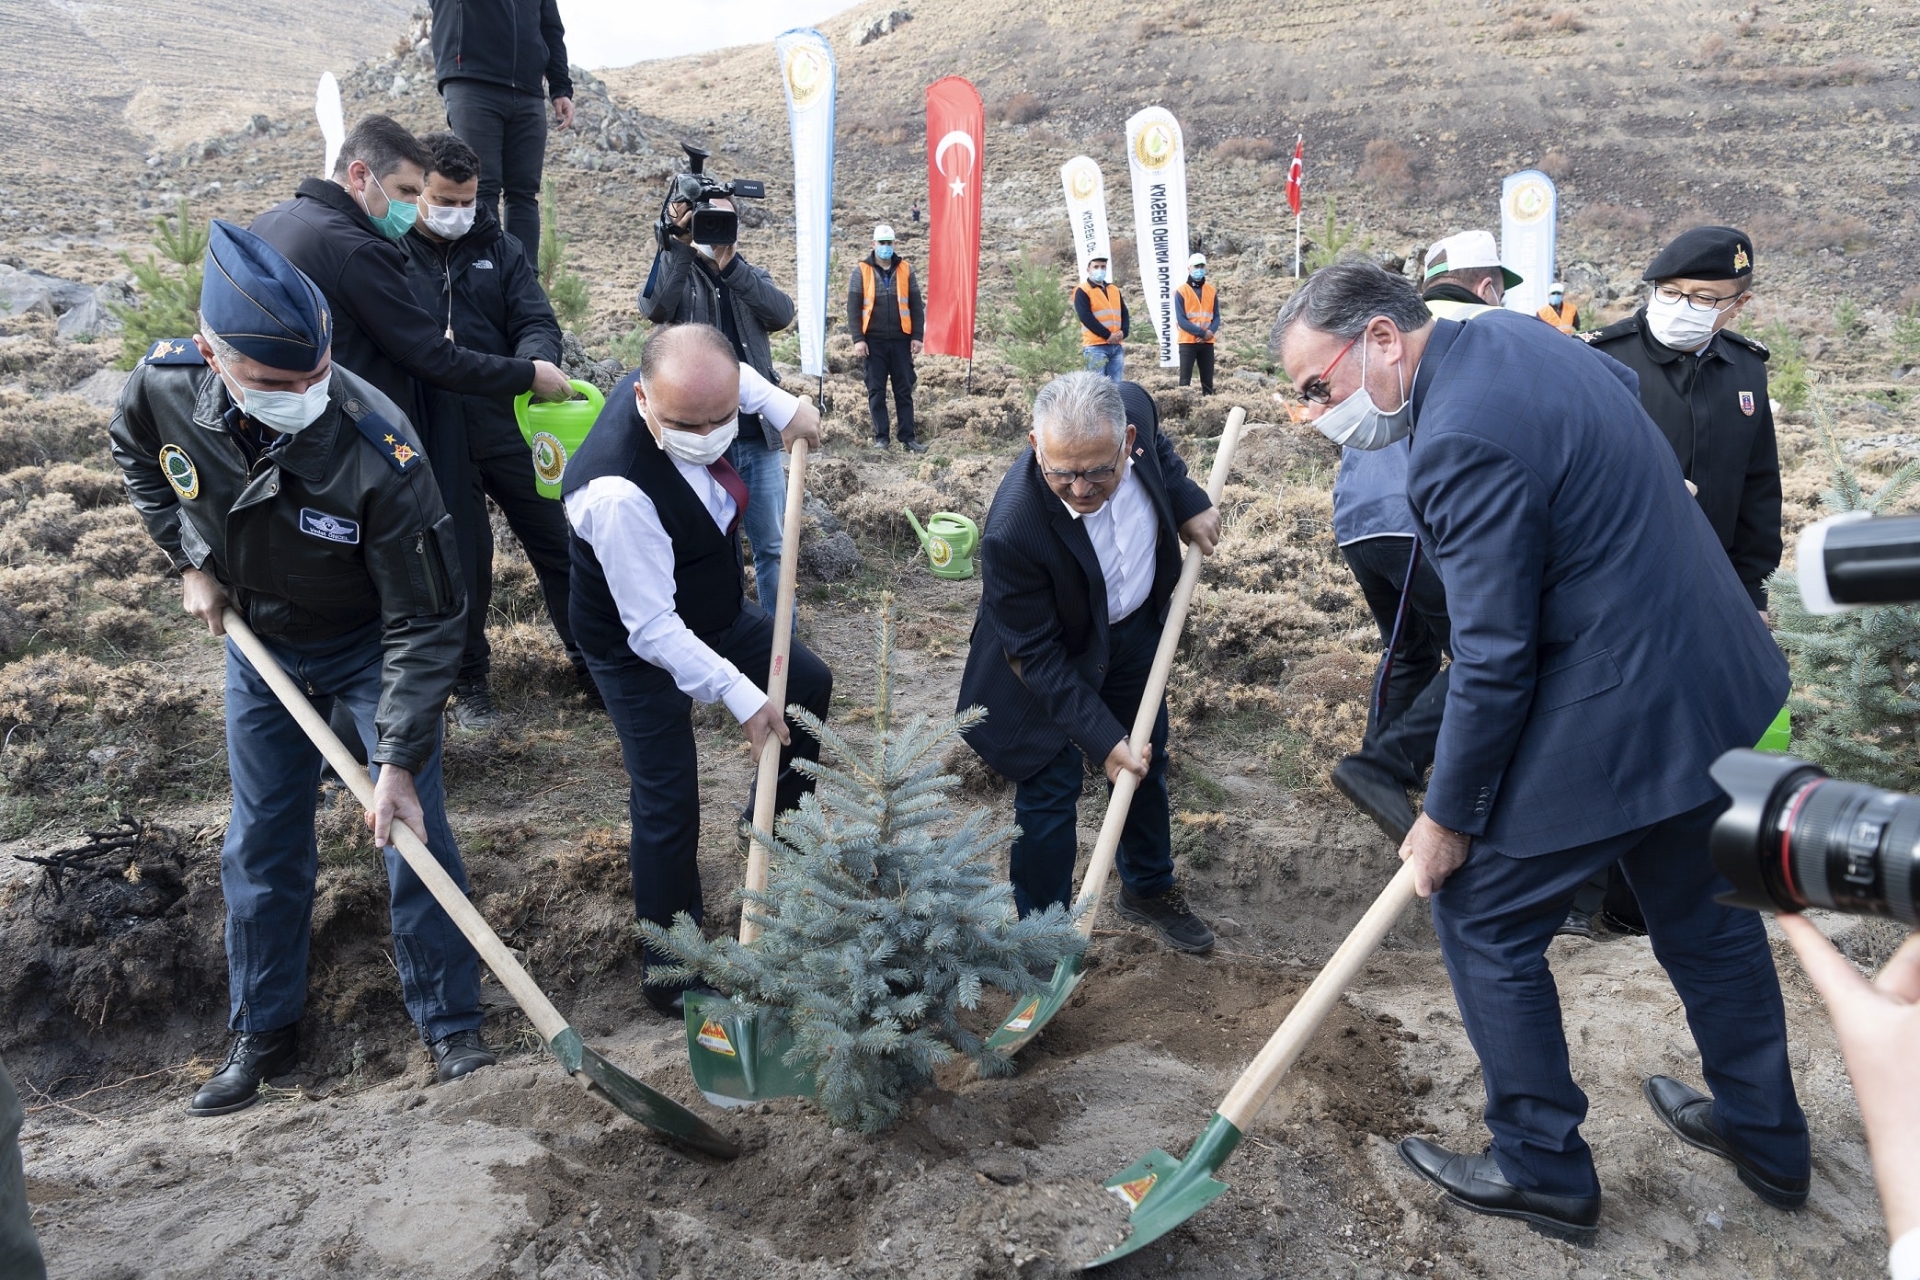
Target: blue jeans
{"type": "Point", "coordinates": [765, 473]}
{"type": "Point", "coordinates": [270, 859]}
{"type": "Point", "coordinates": [1040, 864]}
{"type": "Point", "coordinates": [1495, 917]}
{"type": "Point", "coordinates": [1109, 359]}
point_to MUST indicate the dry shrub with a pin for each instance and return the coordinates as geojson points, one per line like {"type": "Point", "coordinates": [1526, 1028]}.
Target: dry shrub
{"type": "Point", "coordinates": [1566, 20]}
{"type": "Point", "coordinates": [987, 418]}
{"type": "Point", "coordinates": [1812, 231]}
{"type": "Point", "coordinates": [1247, 149]}
{"type": "Point", "coordinates": [516, 591]}
{"type": "Point", "coordinates": [45, 594]}
{"type": "Point", "coordinates": [1387, 167]}
{"type": "Point", "coordinates": [46, 365]}
{"type": "Point", "coordinates": [1619, 219]}
{"type": "Point", "coordinates": [1150, 28]}
{"type": "Point", "coordinates": [1020, 108]}
{"type": "Point", "coordinates": [1249, 637]}
{"type": "Point", "coordinates": [879, 513]}
{"type": "Point", "coordinates": [832, 480]}
{"type": "Point", "coordinates": [1556, 164]}
{"type": "Point", "coordinates": [49, 524]}
{"type": "Point", "coordinates": [134, 590]}
{"type": "Point", "coordinates": [117, 627]}
{"type": "Point", "coordinates": [1520, 29]}
{"type": "Point", "coordinates": [1324, 707]}
{"type": "Point", "coordinates": [70, 723]}
{"type": "Point", "coordinates": [1841, 71]}
{"type": "Point", "coordinates": [1712, 50]}
{"type": "Point", "coordinates": [120, 549]}
{"type": "Point", "coordinates": [529, 665]}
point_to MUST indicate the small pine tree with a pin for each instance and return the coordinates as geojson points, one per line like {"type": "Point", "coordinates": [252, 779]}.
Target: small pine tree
{"type": "Point", "coordinates": [1788, 379]}
{"type": "Point", "coordinates": [566, 288]}
{"type": "Point", "coordinates": [881, 921]}
{"type": "Point", "coordinates": [1039, 335]}
{"type": "Point", "coordinates": [1856, 675]}
{"type": "Point", "coordinates": [169, 305]}
{"type": "Point", "coordinates": [1331, 242]}
{"type": "Point", "coordinates": [1906, 333]}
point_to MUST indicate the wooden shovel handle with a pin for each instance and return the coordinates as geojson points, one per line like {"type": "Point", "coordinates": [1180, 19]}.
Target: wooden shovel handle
{"type": "Point", "coordinates": [765, 789]}
{"type": "Point", "coordinates": [1100, 866]}
{"type": "Point", "coordinates": [519, 983]}
{"type": "Point", "coordinates": [1256, 1084]}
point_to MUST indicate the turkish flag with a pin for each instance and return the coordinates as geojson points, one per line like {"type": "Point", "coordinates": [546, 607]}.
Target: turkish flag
{"type": "Point", "coordinates": [1293, 174]}
{"type": "Point", "coordinates": [956, 138]}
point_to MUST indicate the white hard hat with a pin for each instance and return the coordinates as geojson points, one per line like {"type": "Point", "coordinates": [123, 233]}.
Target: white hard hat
{"type": "Point", "coordinates": [1466, 250]}
{"type": "Point", "coordinates": [882, 232]}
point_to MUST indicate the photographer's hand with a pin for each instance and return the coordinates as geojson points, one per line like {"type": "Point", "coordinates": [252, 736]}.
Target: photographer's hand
{"type": "Point", "coordinates": [1878, 1024]}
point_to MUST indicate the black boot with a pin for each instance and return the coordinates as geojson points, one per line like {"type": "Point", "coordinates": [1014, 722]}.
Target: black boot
{"type": "Point", "coordinates": [459, 1054]}
{"type": "Point", "coordinates": [254, 1056]}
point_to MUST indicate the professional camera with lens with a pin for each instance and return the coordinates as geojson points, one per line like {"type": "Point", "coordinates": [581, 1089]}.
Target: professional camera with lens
{"type": "Point", "coordinates": [1794, 837]}
{"type": "Point", "coordinates": [698, 188]}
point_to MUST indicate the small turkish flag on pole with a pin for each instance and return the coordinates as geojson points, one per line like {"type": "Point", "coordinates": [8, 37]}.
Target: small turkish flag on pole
{"type": "Point", "coordinates": [1293, 195]}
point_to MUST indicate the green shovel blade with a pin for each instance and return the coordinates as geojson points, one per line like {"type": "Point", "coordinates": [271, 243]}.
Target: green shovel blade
{"type": "Point", "coordinates": [1165, 1192]}
{"type": "Point", "coordinates": [1032, 1012]}
{"type": "Point", "coordinates": [736, 1060]}
{"type": "Point", "coordinates": [651, 1108]}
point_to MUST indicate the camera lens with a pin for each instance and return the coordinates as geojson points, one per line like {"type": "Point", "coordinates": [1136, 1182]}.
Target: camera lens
{"type": "Point", "coordinates": [1795, 838]}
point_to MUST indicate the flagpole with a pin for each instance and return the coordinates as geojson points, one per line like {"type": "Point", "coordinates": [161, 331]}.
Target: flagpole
{"type": "Point", "coordinates": [1296, 246]}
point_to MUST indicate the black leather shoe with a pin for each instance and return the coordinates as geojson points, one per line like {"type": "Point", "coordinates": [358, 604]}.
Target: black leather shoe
{"type": "Point", "coordinates": [1578, 924]}
{"type": "Point", "coordinates": [1689, 1114]}
{"type": "Point", "coordinates": [253, 1056]}
{"type": "Point", "coordinates": [1475, 1182]}
{"type": "Point", "coordinates": [913, 446]}
{"type": "Point", "coordinates": [459, 1054]}
{"type": "Point", "coordinates": [1167, 914]}
{"type": "Point", "coordinates": [670, 1000]}
{"type": "Point", "coordinates": [1376, 795]}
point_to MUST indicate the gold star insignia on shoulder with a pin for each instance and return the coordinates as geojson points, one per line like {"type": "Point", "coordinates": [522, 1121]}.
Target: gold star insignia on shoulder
{"type": "Point", "coordinates": [387, 438]}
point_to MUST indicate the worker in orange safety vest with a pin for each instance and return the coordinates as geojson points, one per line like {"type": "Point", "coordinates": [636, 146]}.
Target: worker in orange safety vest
{"type": "Point", "coordinates": [1103, 321]}
{"type": "Point", "coordinates": [887, 319]}
{"type": "Point", "coordinates": [1559, 312]}
{"type": "Point", "coordinates": [1196, 313]}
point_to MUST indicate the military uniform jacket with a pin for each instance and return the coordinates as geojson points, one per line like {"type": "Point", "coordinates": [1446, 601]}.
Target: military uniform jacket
{"type": "Point", "coordinates": [332, 529]}
{"type": "Point", "coordinates": [1714, 411]}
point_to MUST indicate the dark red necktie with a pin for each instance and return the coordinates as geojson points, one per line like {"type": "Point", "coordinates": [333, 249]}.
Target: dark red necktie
{"type": "Point", "coordinates": [736, 488]}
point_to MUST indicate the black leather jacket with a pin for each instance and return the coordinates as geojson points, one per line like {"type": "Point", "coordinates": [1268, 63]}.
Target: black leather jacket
{"type": "Point", "coordinates": [334, 528]}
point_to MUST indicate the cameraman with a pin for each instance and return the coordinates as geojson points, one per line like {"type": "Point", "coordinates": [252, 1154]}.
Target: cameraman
{"type": "Point", "coordinates": [715, 285]}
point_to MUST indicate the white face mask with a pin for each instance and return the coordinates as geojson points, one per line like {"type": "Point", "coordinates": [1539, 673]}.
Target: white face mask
{"type": "Point", "coordinates": [447, 222]}
{"type": "Point", "coordinates": [288, 412]}
{"type": "Point", "coordinates": [700, 450]}
{"type": "Point", "coordinates": [1358, 423]}
{"type": "Point", "coordinates": [1678, 325]}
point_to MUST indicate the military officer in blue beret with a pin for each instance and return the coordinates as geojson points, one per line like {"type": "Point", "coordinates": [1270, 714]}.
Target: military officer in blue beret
{"type": "Point", "coordinates": [287, 485]}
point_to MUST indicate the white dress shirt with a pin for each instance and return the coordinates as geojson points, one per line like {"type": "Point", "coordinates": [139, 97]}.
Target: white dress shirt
{"type": "Point", "coordinates": [1903, 1262]}
{"type": "Point", "coordinates": [618, 520]}
{"type": "Point", "coordinates": [1125, 535]}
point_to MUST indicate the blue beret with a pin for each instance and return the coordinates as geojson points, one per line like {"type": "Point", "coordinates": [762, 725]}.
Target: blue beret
{"type": "Point", "coordinates": [263, 305]}
{"type": "Point", "coordinates": [1704, 253]}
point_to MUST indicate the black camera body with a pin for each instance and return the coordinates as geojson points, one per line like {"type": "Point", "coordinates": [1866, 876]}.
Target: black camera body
{"type": "Point", "coordinates": [696, 187]}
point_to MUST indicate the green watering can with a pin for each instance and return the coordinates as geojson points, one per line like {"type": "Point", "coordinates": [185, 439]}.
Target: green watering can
{"type": "Point", "coordinates": [1779, 735]}
{"type": "Point", "coordinates": [949, 540]}
{"type": "Point", "coordinates": [554, 429]}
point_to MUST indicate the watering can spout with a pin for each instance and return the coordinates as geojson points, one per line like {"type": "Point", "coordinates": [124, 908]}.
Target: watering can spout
{"type": "Point", "coordinates": [918, 532]}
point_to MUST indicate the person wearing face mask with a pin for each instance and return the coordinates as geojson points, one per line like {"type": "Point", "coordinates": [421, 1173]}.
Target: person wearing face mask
{"type": "Point", "coordinates": [1196, 311]}
{"type": "Point", "coordinates": [659, 605]}
{"type": "Point", "coordinates": [1558, 312]}
{"type": "Point", "coordinates": [465, 268]}
{"type": "Point", "coordinates": [885, 317]}
{"type": "Point", "coordinates": [1583, 584]}
{"type": "Point", "coordinates": [280, 482]}
{"type": "Point", "coordinates": [1104, 322]}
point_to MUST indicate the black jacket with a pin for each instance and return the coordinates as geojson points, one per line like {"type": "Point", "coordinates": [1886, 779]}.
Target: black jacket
{"type": "Point", "coordinates": [684, 288]}
{"type": "Point", "coordinates": [885, 322]}
{"type": "Point", "coordinates": [1040, 641]}
{"type": "Point", "coordinates": [511, 42]}
{"type": "Point", "coordinates": [379, 330]}
{"type": "Point", "coordinates": [338, 527]}
{"type": "Point", "coordinates": [483, 287]}
{"type": "Point", "coordinates": [1714, 411]}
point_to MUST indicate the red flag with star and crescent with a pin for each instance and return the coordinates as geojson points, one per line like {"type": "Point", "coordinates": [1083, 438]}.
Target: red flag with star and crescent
{"type": "Point", "coordinates": [956, 137]}
{"type": "Point", "coordinates": [1293, 173]}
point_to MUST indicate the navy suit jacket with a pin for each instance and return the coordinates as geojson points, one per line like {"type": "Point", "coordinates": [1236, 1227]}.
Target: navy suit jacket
{"type": "Point", "coordinates": [1040, 641]}
{"type": "Point", "coordinates": [1604, 651]}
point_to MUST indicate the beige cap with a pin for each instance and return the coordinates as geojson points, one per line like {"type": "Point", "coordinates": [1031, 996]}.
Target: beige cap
{"type": "Point", "coordinates": [1466, 250]}
{"type": "Point", "coordinates": [881, 233]}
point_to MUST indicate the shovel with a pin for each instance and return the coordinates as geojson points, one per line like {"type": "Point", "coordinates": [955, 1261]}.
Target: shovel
{"type": "Point", "coordinates": [653, 1109]}
{"type": "Point", "coordinates": [734, 1059]}
{"type": "Point", "coordinates": [1035, 1011]}
{"type": "Point", "coordinates": [1164, 1192]}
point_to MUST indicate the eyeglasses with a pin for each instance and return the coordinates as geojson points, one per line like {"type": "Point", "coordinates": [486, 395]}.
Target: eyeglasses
{"type": "Point", "coordinates": [1094, 475]}
{"type": "Point", "coordinates": [1316, 390]}
{"type": "Point", "coordinates": [1697, 301]}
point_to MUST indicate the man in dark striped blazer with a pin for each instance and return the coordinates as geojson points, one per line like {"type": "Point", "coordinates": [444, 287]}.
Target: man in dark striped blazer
{"type": "Point", "coordinates": [1078, 561]}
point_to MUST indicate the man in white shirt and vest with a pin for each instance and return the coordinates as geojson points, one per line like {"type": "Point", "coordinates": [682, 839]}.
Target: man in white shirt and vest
{"type": "Point", "coordinates": [658, 599]}
{"type": "Point", "coordinates": [887, 321]}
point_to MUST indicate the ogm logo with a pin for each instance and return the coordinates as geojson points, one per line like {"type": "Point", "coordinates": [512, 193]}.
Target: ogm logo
{"type": "Point", "coordinates": [940, 552]}
{"type": "Point", "coordinates": [1083, 180]}
{"type": "Point", "coordinates": [806, 75]}
{"type": "Point", "coordinates": [1155, 145]}
{"type": "Point", "coordinates": [1529, 201]}
{"type": "Point", "coordinates": [549, 457]}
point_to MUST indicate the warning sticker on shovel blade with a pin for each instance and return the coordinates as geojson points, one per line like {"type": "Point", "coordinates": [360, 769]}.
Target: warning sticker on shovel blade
{"type": "Point", "coordinates": [713, 1037]}
{"type": "Point", "coordinates": [1136, 1191]}
{"type": "Point", "coordinates": [1024, 1019]}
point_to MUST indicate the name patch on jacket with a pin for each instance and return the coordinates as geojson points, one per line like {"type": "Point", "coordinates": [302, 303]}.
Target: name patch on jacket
{"type": "Point", "coordinates": [318, 524]}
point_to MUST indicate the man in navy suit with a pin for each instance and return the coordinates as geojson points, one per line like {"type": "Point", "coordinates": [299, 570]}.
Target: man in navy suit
{"type": "Point", "coordinates": [1583, 583]}
{"type": "Point", "coordinates": [1077, 563]}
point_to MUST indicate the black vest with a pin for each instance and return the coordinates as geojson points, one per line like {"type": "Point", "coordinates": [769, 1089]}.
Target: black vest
{"type": "Point", "coordinates": [708, 583]}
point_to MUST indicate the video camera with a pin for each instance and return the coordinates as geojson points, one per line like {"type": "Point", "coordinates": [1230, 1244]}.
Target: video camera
{"type": "Point", "coordinates": [696, 187]}
{"type": "Point", "coordinates": [1794, 837]}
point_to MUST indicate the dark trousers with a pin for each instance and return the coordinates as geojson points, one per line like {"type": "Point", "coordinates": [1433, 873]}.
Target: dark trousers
{"type": "Point", "coordinates": [890, 359]}
{"type": "Point", "coordinates": [1046, 805]}
{"type": "Point", "coordinates": [663, 769]}
{"type": "Point", "coordinates": [1400, 742]}
{"type": "Point", "coordinates": [19, 1250]}
{"type": "Point", "coordinates": [1197, 355]}
{"type": "Point", "coordinates": [541, 526]}
{"type": "Point", "coordinates": [1495, 917]}
{"type": "Point", "coordinates": [509, 131]}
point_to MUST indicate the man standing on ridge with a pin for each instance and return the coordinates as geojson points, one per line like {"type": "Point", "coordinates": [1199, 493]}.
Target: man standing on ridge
{"type": "Point", "coordinates": [1196, 310]}
{"type": "Point", "coordinates": [885, 317]}
{"type": "Point", "coordinates": [1103, 322]}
